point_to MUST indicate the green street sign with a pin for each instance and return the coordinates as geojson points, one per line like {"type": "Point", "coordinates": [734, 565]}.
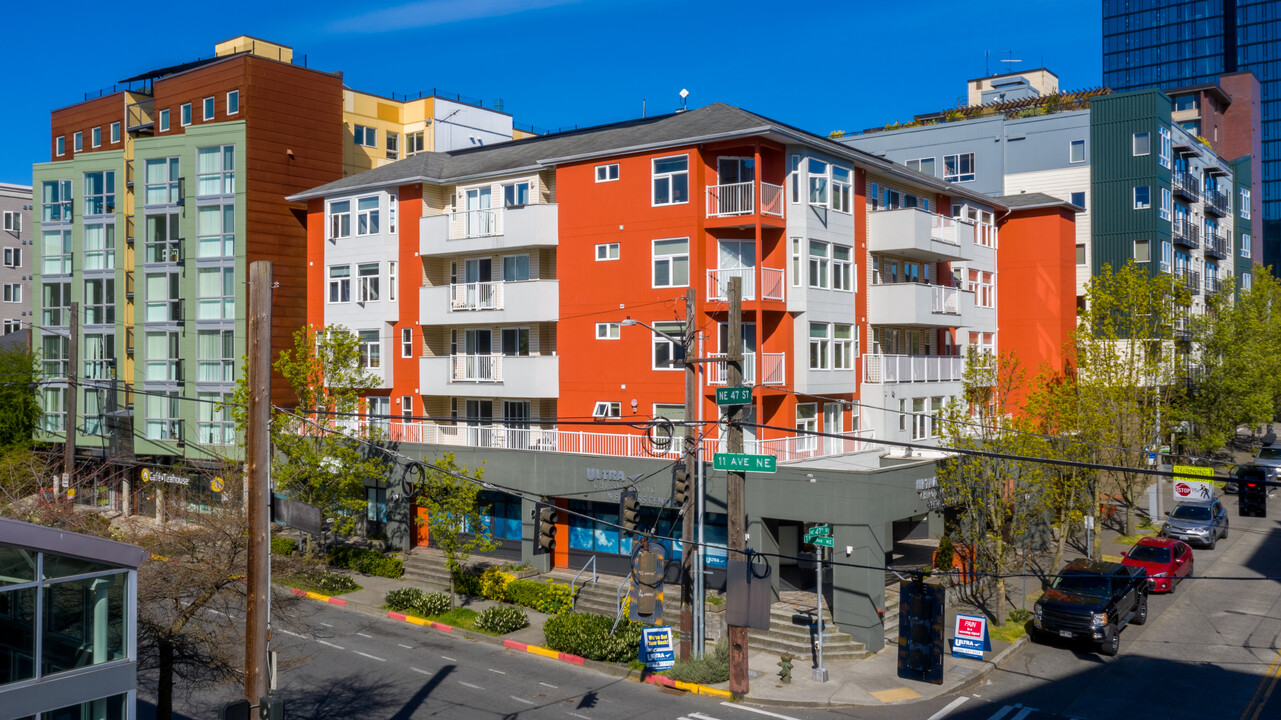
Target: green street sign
{"type": "Point", "coordinates": [734, 396]}
{"type": "Point", "coordinates": [819, 530]}
{"type": "Point", "coordinates": [738, 462]}
{"type": "Point", "coordinates": [823, 540]}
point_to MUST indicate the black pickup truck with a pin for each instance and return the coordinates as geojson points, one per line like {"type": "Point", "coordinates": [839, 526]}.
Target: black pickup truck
{"type": "Point", "coordinates": [1092, 600]}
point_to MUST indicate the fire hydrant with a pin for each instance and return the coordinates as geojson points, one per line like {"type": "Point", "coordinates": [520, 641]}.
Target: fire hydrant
{"type": "Point", "coordinates": [785, 662]}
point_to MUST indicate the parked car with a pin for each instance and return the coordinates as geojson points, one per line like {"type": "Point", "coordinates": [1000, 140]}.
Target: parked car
{"type": "Point", "coordinates": [1092, 600]}
{"type": "Point", "coordinates": [1270, 458]}
{"type": "Point", "coordinates": [1166, 560]}
{"type": "Point", "coordinates": [1202, 523]}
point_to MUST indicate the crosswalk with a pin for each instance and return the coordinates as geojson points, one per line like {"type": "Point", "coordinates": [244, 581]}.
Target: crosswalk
{"type": "Point", "coordinates": [1017, 711]}
{"type": "Point", "coordinates": [759, 713]}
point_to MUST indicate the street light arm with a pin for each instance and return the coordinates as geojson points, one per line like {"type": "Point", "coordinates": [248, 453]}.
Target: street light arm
{"type": "Point", "coordinates": [670, 338]}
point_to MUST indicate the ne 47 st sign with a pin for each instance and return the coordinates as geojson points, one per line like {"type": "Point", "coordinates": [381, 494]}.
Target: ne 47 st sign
{"type": "Point", "coordinates": [738, 462]}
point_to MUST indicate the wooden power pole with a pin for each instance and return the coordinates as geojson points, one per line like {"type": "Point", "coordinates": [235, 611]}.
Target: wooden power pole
{"type": "Point", "coordinates": [738, 679]}
{"type": "Point", "coordinates": [69, 401]}
{"type": "Point", "coordinates": [691, 455]}
{"type": "Point", "coordinates": [258, 494]}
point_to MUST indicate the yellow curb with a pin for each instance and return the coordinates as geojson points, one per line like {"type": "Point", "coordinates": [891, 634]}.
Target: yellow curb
{"type": "Point", "coordinates": [416, 621]}
{"type": "Point", "coordinates": [542, 651]}
{"type": "Point", "coordinates": [895, 695]}
{"type": "Point", "coordinates": [701, 689]}
{"type": "Point", "coordinates": [317, 596]}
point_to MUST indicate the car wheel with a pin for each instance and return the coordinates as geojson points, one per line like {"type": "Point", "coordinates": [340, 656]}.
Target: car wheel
{"type": "Point", "coordinates": [1214, 540]}
{"type": "Point", "coordinates": [1141, 615]}
{"type": "Point", "coordinates": [1111, 644]}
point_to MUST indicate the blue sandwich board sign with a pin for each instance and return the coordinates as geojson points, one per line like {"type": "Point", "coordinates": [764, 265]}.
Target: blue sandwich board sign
{"type": "Point", "coordinates": [970, 638]}
{"type": "Point", "coordinates": [656, 649]}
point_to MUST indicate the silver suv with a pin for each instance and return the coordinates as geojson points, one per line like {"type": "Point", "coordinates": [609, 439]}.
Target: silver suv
{"type": "Point", "coordinates": [1269, 457]}
{"type": "Point", "coordinates": [1202, 523]}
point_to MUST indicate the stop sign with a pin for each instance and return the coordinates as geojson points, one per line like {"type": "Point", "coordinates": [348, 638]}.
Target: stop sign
{"type": "Point", "coordinates": [1182, 489]}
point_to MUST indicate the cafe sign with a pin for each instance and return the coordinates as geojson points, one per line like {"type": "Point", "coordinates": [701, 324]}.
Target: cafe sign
{"type": "Point", "coordinates": [157, 476]}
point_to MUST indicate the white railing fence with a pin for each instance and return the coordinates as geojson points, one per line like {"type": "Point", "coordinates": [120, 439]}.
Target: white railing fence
{"type": "Point", "coordinates": [718, 282]}
{"type": "Point", "coordinates": [476, 368]}
{"type": "Point", "coordinates": [476, 223]}
{"type": "Point", "coordinates": [718, 372]}
{"type": "Point", "coordinates": [946, 300]}
{"type": "Point", "coordinates": [732, 199]}
{"type": "Point", "coordinates": [912, 368]}
{"type": "Point", "coordinates": [772, 199]}
{"type": "Point", "coordinates": [476, 296]}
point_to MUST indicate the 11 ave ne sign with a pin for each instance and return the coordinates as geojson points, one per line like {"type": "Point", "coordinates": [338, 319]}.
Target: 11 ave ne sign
{"type": "Point", "coordinates": [738, 462]}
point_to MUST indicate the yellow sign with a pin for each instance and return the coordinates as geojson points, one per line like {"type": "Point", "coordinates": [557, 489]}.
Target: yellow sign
{"type": "Point", "coordinates": [1190, 470]}
{"type": "Point", "coordinates": [71, 492]}
{"type": "Point", "coordinates": [216, 484]}
{"type": "Point", "coordinates": [146, 475]}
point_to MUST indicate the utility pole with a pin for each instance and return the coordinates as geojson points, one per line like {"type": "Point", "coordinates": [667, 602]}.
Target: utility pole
{"type": "Point", "coordinates": [257, 457]}
{"type": "Point", "coordinates": [73, 390]}
{"type": "Point", "coordinates": [691, 458]}
{"type": "Point", "coordinates": [738, 680]}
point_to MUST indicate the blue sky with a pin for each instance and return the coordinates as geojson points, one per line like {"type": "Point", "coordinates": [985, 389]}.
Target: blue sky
{"type": "Point", "coordinates": [557, 63]}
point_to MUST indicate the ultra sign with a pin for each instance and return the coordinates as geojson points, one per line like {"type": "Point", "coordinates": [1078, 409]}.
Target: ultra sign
{"type": "Point", "coordinates": [738, 462]}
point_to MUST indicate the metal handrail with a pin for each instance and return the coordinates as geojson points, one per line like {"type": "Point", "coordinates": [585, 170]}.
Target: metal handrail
{"type": "Point", "coordinates": [574, 583]}
{"type": "Point", "coordinates": [619, 596]}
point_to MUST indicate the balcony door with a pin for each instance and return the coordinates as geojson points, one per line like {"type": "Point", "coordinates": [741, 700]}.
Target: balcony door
{"type": "Point", "coordinates": [731, 170]}
{"type": "Point", "coordinates": [478, 349]}
{"type": "Point", "coordinates": [475, 272]}
{"type": "Point", "coordinates": [734, 175]}
{"type": "Point", "coordinates": [480, 419]}
{"type": "Point", "coordinates": [833, 422]}
{"type": "Point", "coordinates": [480, 221]}
{"type": "Point", "coordinates": [747, 418]}
{"type": "Point", "coordinates": [749, 351]}
{"type": "Point", "coordinates": [516, 422]}
{"type": "Point", "coordinates": [737, 258]}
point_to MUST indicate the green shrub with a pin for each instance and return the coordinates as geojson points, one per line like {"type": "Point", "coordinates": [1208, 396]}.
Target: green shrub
{"type": "Point", "coordinates": [466, 583]}
{"type": "Point", "coordinates": [365, 560]}
{"type": "Point", "coordinates": [546, 597]}
{"type": "Point", "coordinates": [587, 635]}
{"type": "Point", "coordinates": [943, 558]}
{"type": "Point", "coordinates": [403, 598]}
{"type": "Point", "coordinates": [1019, 616]}
{"type": "Point", "coordinates": [433, 604]}
{"type": "Point", "coordinates": [501, 619]}
{"type": "Point", "coordinates": [283, 546]}
{"type": "Point", "coordinates": [325, 581]}
{"type": "Point", "coordinates": [711, 669]}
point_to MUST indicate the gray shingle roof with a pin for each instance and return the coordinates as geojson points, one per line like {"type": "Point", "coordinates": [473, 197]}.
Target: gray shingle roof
{"type": "Point", "coordinates": [1027, 201]}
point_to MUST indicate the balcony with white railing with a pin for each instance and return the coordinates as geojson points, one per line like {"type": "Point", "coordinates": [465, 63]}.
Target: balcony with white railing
{"type": "Point", "coordinates": [773, 369]}
{"type": "Point", "coordinates": [489, 302]}
{"type": "Point", "coordinates": [773, 283]}
{"type": "Point", "coordinates": [489, 229]}
{"type": "Point", "coordinates": [918, 304]}
{"type": "Point", "coordinates": [738, 199]}
{"type": "Point", "coordinates": [504, 376]}
{"type": "Point", "coordinates": [912, 368]}
{"type": "Point", "coordinates": [920, 235]}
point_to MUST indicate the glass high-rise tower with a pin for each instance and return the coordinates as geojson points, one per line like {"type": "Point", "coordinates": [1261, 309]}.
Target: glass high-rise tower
{"type": "Point", "coordinates": [1176, 43]}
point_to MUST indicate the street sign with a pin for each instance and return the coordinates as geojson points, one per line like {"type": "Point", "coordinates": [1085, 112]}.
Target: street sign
{"type": "Point", "coordinates": [823, 540]}
{"type": "Point", "coordinates": [819, 530]}
{"type": "Point", "coordinates": [738, 462]}
{"type": "Point", "coordinates": [741, 395]}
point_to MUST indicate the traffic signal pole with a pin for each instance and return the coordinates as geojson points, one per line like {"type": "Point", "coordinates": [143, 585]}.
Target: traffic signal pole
{"type": "Point", "coordinates": [738, 678]}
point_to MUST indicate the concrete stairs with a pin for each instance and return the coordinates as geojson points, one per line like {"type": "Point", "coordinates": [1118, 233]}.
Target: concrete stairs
{"type": "Point", "coordinates": [427, 570]}
{"type": "Point", "coordinates": [792, 631]}
{"type": "Point", "coordinates": [891, 613]}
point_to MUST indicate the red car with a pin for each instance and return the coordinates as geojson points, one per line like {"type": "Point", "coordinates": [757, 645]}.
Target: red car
{"type": "Point", "coordinates": [1167, 561]}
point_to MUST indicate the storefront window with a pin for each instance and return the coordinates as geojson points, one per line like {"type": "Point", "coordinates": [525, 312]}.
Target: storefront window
{"type": "Point", "coordinates": [17, 632]}
{"type": "Point", "coordinates": [84, 622]}
{"type": "Point", "coordinates": [500, 514]}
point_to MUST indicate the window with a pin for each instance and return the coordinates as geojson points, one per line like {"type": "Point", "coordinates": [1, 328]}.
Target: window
{"type": "Point", "coordinates": [1186, 102]}
{"type": "Point", "coordinates": [56, 247]}
{"type": "Point", "coordinates": [671, 180]}
{"type": "Point", "coordinates": [184, 114]}
{"type": "Point", "coordinates": [55, 355]}
{"type": "Point", "coordinates": [216, 293]}
{"type": "Point", "coordinates": [820, 265]}
{"type": "Point", "coordinates": [1142, 197]}
{"type": "Point", "coordinates": [56, 304]}
{"type": "Point", "coordinates": [515, 341]}
{"type": "Point", "coordinates": [367, 216]}
{"type": "Point", "coordinates": [339, 219]}
{"type": "Point", "coordinates": [233, 102]}
{"type": "Point", "coordinates": [57, 201]}
{"type": "Point", "coordinates": [1167, 202]}
{"type": "Point", "coordinates": [1142, 253]}
{"type": "Point", "coordinates": [367, 274]}
{"type": "Point", "coordinates": [843, 347]}
{"type": "Point", "coordinates": [78, 141]}
{"type": "Point", "coordinates": [163, 186]}
{"type": "Point", "coordinates": [413, 143]}
{"type": "Point", "coordinates": [162, 363]}
{"type": "Point", "coordinates": [920, 420]}
{"type": "Point", "coordinates": [606, 409]}
{"type": "Point", "coordinates": [842, 268]}
{"type": "Point", "coordinates": [216, 356]}
{"type": "Point", "coordinates": [1166, 157]}
{"type": "Point", "coordinates": [10, 326]}
{"type": "Point", "coordinates": [820, 346]}
{"type": "Point", "coordinates": [393, 145]}
{"type": "Point", "coordinates": [515, 268]}
{"type": "Point", "coordinates": [100, 192]}
{"type": "Point", "coordinates": [60, 145]}
{"type": "Point", "coordinates": [163, 420]}
{"type": "Point", "coordinates": [1167, 256]}
{"type": "Point", "coordinates": [370, 350]}
{"type": "Point", "coordinates": [806, 422]}
{"type": "Point", "coordinates": [1245, 245]}
{"type": "Point", "coordinates": [407, 407]}
{"type": "Point", "coordinates": [607, 173]}
{"type": "Point", "coordinates": [208, 106]}
{"type": "Point", "coordinates": [214, 425]}
{"type": "Point", "coordinates": [958, 168]}
{"type": "Point", "coordinates": [340, 283]}
{"type": "Point", "coordinates": [1076, 151]}
{"type": "Point", "coordinates": [516, 194]}
{"type": "Point", "coordinates": [817, 170]}
{"type": "Point", "coordinates": [391, 280]}
{"type": "Point", "coordinates": [164, 120]}
{"type": "Point", "coordinates": [671, 263]}
{"type": "Point", "coordinates": [608, 331]}
{"type": "Point", "coordinates": [162, 241]}
{"type": "Point", "coordinates": [95, 136]}
{"type": "Point", "coordinates": [794, 174]}
{"type": "Point", "coordinates": [54, 417]}
{"type": "Point", "coordinates": [13, 257]}
{"type": "Point", "coordinates": [1078, 199]}
{"type": "Point", "coordinates": [100, 246]}
{"type": "Point", "coordinates": [366, 136]}
{"type": "Point", "coordinates": [798, 262]}
{"type": "Point", "coordinates": [667, 354]}
{"type": "Point", "coordinates": [1080, 254]}
{"type": "Point", "coordinates": [216, 170]}
{"type": "Point", "coordinates": [922, 165]}
{"type": "Point", "coordinates": [216, 230]}
{"type": "Point", "coordinates": [1142, 144]}
{"type": "Point", "coordinates": [115, 131]}
{"type": "Point", "coordinates": [12, 293]}
{"type": "Point", "coordinates": [841, 190]}
{"type": "Point", "coordinates": [607, 251]}
{"type": "Point", "coordinates": [1247, 281]}
{"type": "Point", "coordinates": [1245, 204]}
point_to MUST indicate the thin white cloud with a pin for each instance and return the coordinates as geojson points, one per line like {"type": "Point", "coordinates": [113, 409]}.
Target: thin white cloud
{"type": "Point", "coordinates": [428, 13]}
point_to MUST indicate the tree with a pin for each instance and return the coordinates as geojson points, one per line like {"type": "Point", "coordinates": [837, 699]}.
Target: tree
{"type": "Point", "coordinates": [455, 522]}
{"type": "Point", "coordinates": [323, 451]}
{"type": "Point", "coordinates": [19, 377]}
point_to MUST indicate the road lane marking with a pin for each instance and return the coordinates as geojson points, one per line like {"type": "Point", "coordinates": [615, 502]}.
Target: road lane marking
{"type": "Point", "coordinates": [584, 717]}
{"type": "Point", "coordinates": [500, 672]}
{"type": "Point", "coordinates": [336, 647]}
{"type": "Point", "coordinates": [521, 699]}
{"type": "Point", "coordinates": [449, 658]}
{"type": "Point", "coordinates": [701, 716]}
{"type": "Point", "coordinates": [1264, 691]}
{"type": "Point", "coordinates": [371, 657]}
{"type": "Point", "coordinates": [1002, 712]}
{"type": "Point", "coordinates": [554, 687]}
{"type": "Point", "coordinates": [467, 684]}
{"type": "Point", "coordinates": [326, 624]}
{"type": "Point", "coordinates": [948, 708]}
{"type": "Point", "coordinates": [407, 647]}
{"type": "Point", "coordinates": [371, 637]}
{"type": "Point", "coordinates": [736, 706]}
{"type": "Point", "coordinates": [420, 671]}
{"type": "Point", "coordinates": [290, 633]}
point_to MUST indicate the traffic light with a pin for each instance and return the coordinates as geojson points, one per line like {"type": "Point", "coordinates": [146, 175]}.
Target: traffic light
{"type": "Point", "coordinates": [1252, 492]}
{"type": "Point", "coordinates": [545, 519]}
{"type": "Point", "coordinates": [680, 485]}
{"type": "Point", "coordinates": [647, 587]}
{"type": "Point", "coordinates": [629, 510]}
{"type": "Point", "coordinates": [920, 634]}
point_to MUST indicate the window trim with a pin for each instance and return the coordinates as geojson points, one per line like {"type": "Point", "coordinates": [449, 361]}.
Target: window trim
{"type": "Point", "coordinates": [654, 176]}
{"type": "Point", "coordinates": [365, 347]}
{"type": "Point", "coordinates": [612, 331]}
{"type": "Point", "coordinates": [653, 263]}
{"type": "Point", "coordinates": [208, 108]}
{"type": "Point", "coordinates": [960, 177]}
{"type": "Point", "coordinates": [406, 342]}
{"type": "Point", "coordinates": [606, 247]}
{"type": "Point", "coordinates": [1134, 144]}
{"type": "Point", "coordinates": [115, 132]}
{"type": "Point", "coordinates": [1147, 245]}
{"type": "Point", "coordinates": [367, 284]}
{"type": "Point", "coordinates": [824, 346]}
{"type": "Point", "coordinates": [95, 136]}
{"type": "Point", "coordinates": [163, 120]}
{"type": "Point", "coordinates": [606, 168]}
{"type": "Point", "coordinates": [184, 115]}
{"type": "Point", "coordinates": [360, 134]}
{"type": "Point", "coordinates": [233, 94]}
{"type": "Point", "coordinates": [78, 141]}
{"type": "Point", "coordinates": [657, 340]}
{"type": "Point", "coordinates": [342, 283]}
{"type": "Point", "coordinates": [1072, 144]}
{"type": "Point", "coordinates": [60, 146]}
{"type": "Point", "coordinates": [1146, 205]}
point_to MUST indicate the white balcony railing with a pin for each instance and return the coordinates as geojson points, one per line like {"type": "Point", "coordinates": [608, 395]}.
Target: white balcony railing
{"type": "Point", "coordinates": [476, 368]}
{"type": "Point", "coordinates": [476, 296]}
{"type": "Point", "coordinates": [946, 300]}
{"type": "Point", "coordinates": [718, 372]}
{"type": "Point", "coordinates": [771, 199]}
{"type": "Point", "coordinates": [913, 368]}
{"type": "Point", "coordinates": [476, 223]}
{"type": "Point", "coordinates": [732, 199]}
{"type": "Point", "coordinates": [802, 447]}
{"type": "Point", "coordinates": [773, 281]}
{"type": "Point", "coordinates": [943, 229]}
